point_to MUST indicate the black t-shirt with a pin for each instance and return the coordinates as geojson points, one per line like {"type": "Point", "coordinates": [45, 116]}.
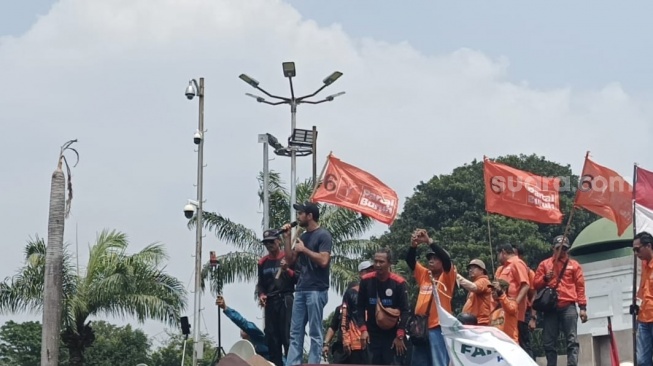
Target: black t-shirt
{"type": "Point", "coordinates": [311, 276]}
{"type": "Point", "coordinates": [393, 293]}
{"type": "Point", "coordinates": [268, 284]}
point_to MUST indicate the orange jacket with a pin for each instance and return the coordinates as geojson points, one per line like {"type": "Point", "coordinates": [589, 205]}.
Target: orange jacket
{"type": "Point", "coordinates": [572, 286]}
{"type": "Point", "coordinates": [645, 293]}
{"type": "Point", "coordinates": [479, 303]}
{"type": "Point", "coordinates": [504, 317]}
{"type": "Point", "coordinates": [515, 272]}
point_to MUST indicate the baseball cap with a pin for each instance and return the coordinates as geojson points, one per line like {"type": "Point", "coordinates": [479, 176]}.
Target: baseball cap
{"type": "Point", "coordinates": [270, 235]}
{"type": "Point", "coordinates": [364, 265]}
{"type": "Point", "coordinates": [560, 239]}
{"type": "Point", "coordinates": [477, 262]}
{"type": "Point", "coordinates": [309, 208]}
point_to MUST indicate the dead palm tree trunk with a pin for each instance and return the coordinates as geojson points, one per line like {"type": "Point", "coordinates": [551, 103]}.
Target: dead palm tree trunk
{"type": "Point", "coordinates": [53, 291]}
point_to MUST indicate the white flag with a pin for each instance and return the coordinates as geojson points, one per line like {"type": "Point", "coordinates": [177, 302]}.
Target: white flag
{"type": "Point", "coordinates": [479, 345]}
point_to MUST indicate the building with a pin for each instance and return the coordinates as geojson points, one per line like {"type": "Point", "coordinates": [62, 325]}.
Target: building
{"type": "Point", "coordinates": [607, 260]}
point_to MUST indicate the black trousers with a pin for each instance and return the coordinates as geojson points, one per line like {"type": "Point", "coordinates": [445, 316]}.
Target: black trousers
{"type": "Point", "coordinates": [278, 312]}
{"type": "Point", "coordinates": [381, 351]}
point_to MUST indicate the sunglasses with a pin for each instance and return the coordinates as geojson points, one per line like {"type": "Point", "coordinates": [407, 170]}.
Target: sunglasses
{"type": "Point", "coordinates": [636, 249]}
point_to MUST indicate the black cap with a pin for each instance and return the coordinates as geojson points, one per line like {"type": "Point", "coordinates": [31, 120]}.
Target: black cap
{"type": "Point", "coordinates": [560, 239]}
{"type": "Point", "coordinates": [308, 208]}
{"type": "Point", "coordinates": [270, 235]}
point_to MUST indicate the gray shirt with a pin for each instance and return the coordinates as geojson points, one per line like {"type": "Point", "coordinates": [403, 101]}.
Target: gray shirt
{"type": "Point", "coordinates": [311, 276]}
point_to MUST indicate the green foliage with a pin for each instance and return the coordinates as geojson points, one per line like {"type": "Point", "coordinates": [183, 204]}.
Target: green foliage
{"type": "Point", "coordinates": [452, 208]}
{"type": "Point", "coordinates": [170, 353]}
{"type": "Point", "coordinates": [117, 346]}
{"type": "Point", "coordinates": [114, 283]}
{"type": "Point", "coordinates": [346, 227]}
{"type": "Point", "coordinates": [20, 345]}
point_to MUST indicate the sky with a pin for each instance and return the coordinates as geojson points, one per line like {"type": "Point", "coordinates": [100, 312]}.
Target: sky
{"type": "Point", "coordinates": [429, 86]}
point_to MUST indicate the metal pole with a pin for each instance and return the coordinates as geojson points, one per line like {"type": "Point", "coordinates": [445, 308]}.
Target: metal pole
{"type": "Point", "coordinates": [293, 164]}
{"type": "Point", "coordinates": [314, 155]}
{"type": "Point", "coordinates": [266, 185]}
{"type": "Point", "coordinates": [198, 346]}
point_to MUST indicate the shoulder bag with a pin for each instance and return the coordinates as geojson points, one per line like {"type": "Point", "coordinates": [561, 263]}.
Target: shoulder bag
{"type": "Point", "coordinates": [546, 299]}
{"type": "Point", "coordinates": [386, 318]}
{"type": "Point", "coordinates": [418, 326]}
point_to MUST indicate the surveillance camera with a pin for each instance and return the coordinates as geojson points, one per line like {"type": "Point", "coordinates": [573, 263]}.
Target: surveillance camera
{"type": "Point", "coordinates": [190, 96]}
{"type": "Point", "coordinates": [189, 211]}
{"type": "Point", "coordinates": [197, 138]}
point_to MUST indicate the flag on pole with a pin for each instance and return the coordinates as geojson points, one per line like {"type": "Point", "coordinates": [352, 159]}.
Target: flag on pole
{"type": "Point", "coordinates": [347, 186]}
{"type": "Point", "coordinates": [614, 354]}
{"type": "Point", "coordinates": [643, 200]}
{"type": "Point", "coordinates": [479, 345]}
{"type": "Point", "coordinates": [605, 193]}
{"type": "Point", "coordinates": [521, 195]}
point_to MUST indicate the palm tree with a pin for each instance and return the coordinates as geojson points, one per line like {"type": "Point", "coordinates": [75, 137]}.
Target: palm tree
{"type": "Point", "coordinates": [113, 283]}
{"type": "Point", "coordinates": [52, 296]}
{"type": "Point", "coordinates": [346, 227]}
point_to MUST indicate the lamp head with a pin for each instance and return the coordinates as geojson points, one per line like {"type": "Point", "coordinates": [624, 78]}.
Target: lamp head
{"type": "Point", "coordinates": [249, 80]}
{"type": "Point", "coordinates": [289, 69]}
{"type": "Point", "coordinates": [332, 78]}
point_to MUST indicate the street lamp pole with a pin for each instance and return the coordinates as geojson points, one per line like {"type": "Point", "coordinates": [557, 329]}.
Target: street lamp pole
{"type": "Point", "coordinates": [192, 90]}
{"type": "Point", "coordinates": [292, 150]}
{"type": "Point", "coordinates": [263, 138]}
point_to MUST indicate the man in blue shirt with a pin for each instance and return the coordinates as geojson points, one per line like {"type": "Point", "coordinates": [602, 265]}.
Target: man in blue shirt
{"type": "Point", "coordinates": [248, 330]}
{"type": "Point", "coordinates": [311, 257]}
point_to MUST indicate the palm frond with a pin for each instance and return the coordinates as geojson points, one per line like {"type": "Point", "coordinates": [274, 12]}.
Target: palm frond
{"type": "Point", "coordinates": [232, 267]}
{"type": "Point", "coordinates": [231, 232]}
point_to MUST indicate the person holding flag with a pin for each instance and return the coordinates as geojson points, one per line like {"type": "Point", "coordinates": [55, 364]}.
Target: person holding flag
{"type": "Point", "coordinates": [643, 248]}
{"type": "Point", "coordinates": [566, 277]}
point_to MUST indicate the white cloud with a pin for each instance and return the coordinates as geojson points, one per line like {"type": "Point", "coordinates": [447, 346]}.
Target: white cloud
{"type": "Point", "coordinates": [112, 74]}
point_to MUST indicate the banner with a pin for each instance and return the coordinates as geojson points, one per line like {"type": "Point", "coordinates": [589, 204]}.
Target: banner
{"type": "Point", "coordinates": [479, 345]}
{"type": "Point", "coordinates": [521, 195]}
{"type": "Point", "coordinates": [643, 200]}
{"type": "Point", "coordinates": [349, 187]}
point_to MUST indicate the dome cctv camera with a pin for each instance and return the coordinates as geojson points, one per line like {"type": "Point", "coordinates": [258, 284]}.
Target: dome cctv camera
{"type": "Point", "coordinates": [190, 90]}
{"type": "Point", "coordinates": [189, 211]}
{"type": "Point", "coordinates": [197, 138]}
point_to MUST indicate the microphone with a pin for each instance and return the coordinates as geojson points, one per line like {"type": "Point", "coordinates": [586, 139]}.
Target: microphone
{"type": "Point", "coordinates": [292, 225]}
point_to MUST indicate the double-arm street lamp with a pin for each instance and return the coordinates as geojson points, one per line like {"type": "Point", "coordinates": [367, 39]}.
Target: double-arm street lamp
{"type": "Point", "coordinates": [301, 142]}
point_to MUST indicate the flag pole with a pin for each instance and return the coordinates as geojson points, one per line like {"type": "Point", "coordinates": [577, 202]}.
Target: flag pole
{"type": "Point", "coordinates": [634, 290]}
{"type": "Point", "coordinates": [489, 239]}
{"type": "Point", "coordinates": [573, 209]}
{"type": "Point", "coordinates": [316, 184]}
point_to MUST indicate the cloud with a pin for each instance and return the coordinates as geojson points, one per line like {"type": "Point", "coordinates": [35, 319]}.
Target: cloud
{"type": "Point", "coordinates": [112, 74]}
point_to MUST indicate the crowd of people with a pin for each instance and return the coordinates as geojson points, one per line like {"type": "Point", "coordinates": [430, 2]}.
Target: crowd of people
{"type": "Point", "coordinates": [375, 322]}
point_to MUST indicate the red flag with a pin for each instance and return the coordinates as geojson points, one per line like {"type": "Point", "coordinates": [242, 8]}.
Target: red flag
{"type": "Point", "coordinates": [614, 354]}
{"type": "Point", "coordinates": [349, 187]}
{"type": "Point", "coordinates": [521, 195]}
{"type": "Point", "coordinates": [643, 200]}
{"type": "Point", "coordinates": [605, 193]}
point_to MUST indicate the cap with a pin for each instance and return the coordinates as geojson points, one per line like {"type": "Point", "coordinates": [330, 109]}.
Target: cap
{"type": "Point", "coordinates": [560, 239]}
{"type": "Point", "coordinates": [309, 208]}
{"type": "Point", "coordinates": [269, 235]}
{"type": "Point", "coordinates": [477, 262]}
{"type": "Point", "coordinates": [364, 265]}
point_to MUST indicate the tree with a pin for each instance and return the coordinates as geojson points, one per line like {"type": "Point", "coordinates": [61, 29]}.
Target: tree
{"type": "Point", "coordinates": [452, 208]}
{"type": "Point", "coordinates": [346, 227]}
{"type": "Point", "coordinates": [171, 352]}
{"type": "Point", "coordinates": [20, 344]}
{"type": "Point", "coordinates": [53, 294]}
{"type": "Point", "coordinates": [116, 345]}
{"type": "Point", "coordinates": [113, 283]}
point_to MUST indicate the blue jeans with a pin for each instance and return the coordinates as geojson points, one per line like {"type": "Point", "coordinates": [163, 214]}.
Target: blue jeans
{"type": "Point", "coordinates": [308, 307]}
{"type": "Point", "coordinates": [435, 353]}
{"type": "Point", "coordinates": [644, 344]}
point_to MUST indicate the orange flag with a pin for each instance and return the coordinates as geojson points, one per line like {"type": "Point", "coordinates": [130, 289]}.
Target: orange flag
{"type": "Point", "coordinates": [521, 195]}
{"type": "Point", "coordinates": [347, 186]}
{"type": "Point", "coordinates": [605, 193]}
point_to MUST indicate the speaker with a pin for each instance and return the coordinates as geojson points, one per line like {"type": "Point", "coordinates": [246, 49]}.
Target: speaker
{"type": "Point", "coordinates": [185, 326]}
{"type": "Point", "coordinates": [243, 348]}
